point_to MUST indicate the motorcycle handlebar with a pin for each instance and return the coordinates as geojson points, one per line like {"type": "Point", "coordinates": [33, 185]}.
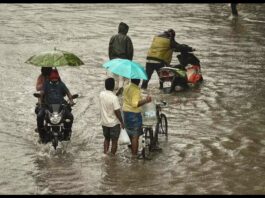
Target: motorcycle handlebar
{"type": "Point", "coordinates": [74, 96]}
{"type": "Point", "coordinates": [185, 48]}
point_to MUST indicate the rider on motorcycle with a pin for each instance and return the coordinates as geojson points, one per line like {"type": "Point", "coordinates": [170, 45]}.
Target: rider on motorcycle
{"type": "Point", "coordinates": [53, 92]}
{"type": "Point", "coordinates": [160, 54]}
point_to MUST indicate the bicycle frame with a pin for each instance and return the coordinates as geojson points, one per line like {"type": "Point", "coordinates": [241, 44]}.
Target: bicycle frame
{"type": "Point", "coordinates": [150, 139]}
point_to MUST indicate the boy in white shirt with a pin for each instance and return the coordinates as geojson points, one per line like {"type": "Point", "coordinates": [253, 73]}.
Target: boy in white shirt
{"type": "Point", "coordinates": [110, 116]}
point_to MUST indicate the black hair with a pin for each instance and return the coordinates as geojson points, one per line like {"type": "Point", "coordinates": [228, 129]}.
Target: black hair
{"type": "Point", "coordinates": [136, 81]}
{"type": "Point", "coordinates": [45, 71]}
{"type": "Point", "coordinates": [170, 33]}
{"type": "Point", "coordinates": [109, 84]}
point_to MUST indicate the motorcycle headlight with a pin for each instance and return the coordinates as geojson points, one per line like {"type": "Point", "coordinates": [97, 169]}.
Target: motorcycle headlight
{"type": "Point", "coordinates": [55, 118]}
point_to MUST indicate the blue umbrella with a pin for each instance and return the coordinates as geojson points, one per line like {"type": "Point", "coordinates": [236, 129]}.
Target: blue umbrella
{"type": "Point", "coordinates": [126, 68]}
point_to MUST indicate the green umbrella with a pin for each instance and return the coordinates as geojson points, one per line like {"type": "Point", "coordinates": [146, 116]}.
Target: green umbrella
{"type": "Point", "coordinates": [55, 58]}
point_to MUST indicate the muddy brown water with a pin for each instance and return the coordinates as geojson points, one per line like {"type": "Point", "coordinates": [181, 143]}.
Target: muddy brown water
{"type": "Point", "coordinates": [216, 142]}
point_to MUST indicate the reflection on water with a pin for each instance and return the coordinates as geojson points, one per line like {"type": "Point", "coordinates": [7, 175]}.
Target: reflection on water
{"type": "Point", "coordinates": [216, 131]}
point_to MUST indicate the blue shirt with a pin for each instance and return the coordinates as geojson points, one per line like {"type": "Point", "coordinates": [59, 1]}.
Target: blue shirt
{"type": "Point", "coordinates": [54, 92]}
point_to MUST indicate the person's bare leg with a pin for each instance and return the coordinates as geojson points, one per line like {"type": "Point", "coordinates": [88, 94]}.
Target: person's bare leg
{"type": "Point", "coordinates": [106, 146]}
{"type": "Point", "coordinates": [114, 146]}
{"type": "Point", "coordinates": [130, 145]}
{"type": "Point", "coordinates": [135, 145]}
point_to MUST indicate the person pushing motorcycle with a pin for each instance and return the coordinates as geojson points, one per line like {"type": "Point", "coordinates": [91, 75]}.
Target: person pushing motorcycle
{"type": "Point", "coordinates": [160, 54]}
{"type": "Point", "coordinates": [53, 92]}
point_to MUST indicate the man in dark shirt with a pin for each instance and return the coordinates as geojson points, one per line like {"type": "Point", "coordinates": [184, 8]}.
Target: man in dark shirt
{"type": "Point", "coordinates": [53, 92]}
{"type": "Point", "coordinates": [120, 46]}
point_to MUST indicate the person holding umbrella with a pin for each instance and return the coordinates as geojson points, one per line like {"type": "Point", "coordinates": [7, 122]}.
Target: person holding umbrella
{"type": "Point", "coordinates": [48, 60]}
{"type": "Point", "coordinates": [132, 102]}
{"type": "Point", "coordinates": [45, 72]}
{"type": "Point", "coordinates": [132, 99]}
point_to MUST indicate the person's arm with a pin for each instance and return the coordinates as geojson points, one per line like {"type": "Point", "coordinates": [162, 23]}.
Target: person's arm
{"type": "Point", "coordinates": [118, 115]}
{"type": "Point", "coordinates": [42, 92]}
{"type": "Point", "coordinates": [41, 97]}
{"type": "Point", "coordinates": [129, 48]}
{"type": "Point", "coordinates": [110, 48]}
{"type": "Point", "coordinates": [119, 92]}
{"type": "Point", "coordinates": [69, 95]}
{"type": "Point", "coordinates": [39, 83]}
{"type": "Point", "coordinates": [176, 47]}
{"type": "Point", "coordinates": [144, 101]}
{"type": "Point", "coordinates": [117, 111]}
{"type": "Point", "coordinates": [136, 100]}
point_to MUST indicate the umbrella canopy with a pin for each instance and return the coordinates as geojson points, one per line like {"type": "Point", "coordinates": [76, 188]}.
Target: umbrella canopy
{"type": "Point", "coordinates": [126, 68]}
{"type": "Point", "coordinates": [55, 58]}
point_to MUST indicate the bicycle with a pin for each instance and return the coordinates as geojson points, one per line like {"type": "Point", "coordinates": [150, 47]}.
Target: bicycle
{"type": "Point", "coordinates": [150, 140]}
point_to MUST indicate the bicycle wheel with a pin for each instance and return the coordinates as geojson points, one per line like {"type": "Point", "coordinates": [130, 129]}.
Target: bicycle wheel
{"type": "Point", "coordinates": [146, 141]}
{"type": "Point", "coordinates": [163, 126]}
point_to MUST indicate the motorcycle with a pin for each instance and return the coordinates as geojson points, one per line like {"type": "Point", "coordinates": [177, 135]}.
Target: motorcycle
{"type": "Point", "coordinates": [54, 130]}
{"type": "Point", "coordinates": [184, 75]}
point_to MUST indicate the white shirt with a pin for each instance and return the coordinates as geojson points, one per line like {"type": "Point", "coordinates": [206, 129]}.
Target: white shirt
{"type": "Point", "coordinates": [108, 103]}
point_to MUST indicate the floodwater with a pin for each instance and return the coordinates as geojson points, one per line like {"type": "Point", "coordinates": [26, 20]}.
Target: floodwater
{"type": "Point", "coordinates": [216, 142]}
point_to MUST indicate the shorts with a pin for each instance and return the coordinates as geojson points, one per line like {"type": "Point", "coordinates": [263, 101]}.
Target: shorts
{"type": "Point", "coordinates": [132, 120]}
{"type": "Point", "coordinates": [111, 132]}
{"type": "Point", "coordinates": [134, 131]}
{"type": "Point", "coordinates": [133, 123]}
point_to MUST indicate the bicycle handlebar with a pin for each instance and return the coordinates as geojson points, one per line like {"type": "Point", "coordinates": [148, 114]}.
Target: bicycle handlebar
{"type": "Point", "coordinates": [162, 103]}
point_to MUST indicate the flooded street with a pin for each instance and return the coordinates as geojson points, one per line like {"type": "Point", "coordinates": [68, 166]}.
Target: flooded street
{"type": "Point", "coordinates": [216, 141]}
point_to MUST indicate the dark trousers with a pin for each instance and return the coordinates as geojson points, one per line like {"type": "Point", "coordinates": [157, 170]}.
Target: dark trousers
{"type": "Point", "coordinates": [233, 8]}
{"type": "Point", "coordinates": [150, 68]}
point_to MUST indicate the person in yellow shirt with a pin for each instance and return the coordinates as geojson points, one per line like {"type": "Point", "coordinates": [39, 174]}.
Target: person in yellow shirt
{"type": "Point", "coordinates": [160, 54]}
{"type": "Point", "coordinates": [132, 102]}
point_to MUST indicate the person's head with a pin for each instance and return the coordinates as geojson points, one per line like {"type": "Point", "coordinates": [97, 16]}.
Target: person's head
{"type": "Point", "coordinates": [109, 84]}
{"type": "Point", "coordinates": [171, 33]}
{"type": "Point", "coordinates": [136, 81]}
{"type": "Point", "coordinates": [54, 76]}
{"type": "Point", "coordinates": [123, 28]}
{"type": "Point", "coordinates": [45, 71]}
